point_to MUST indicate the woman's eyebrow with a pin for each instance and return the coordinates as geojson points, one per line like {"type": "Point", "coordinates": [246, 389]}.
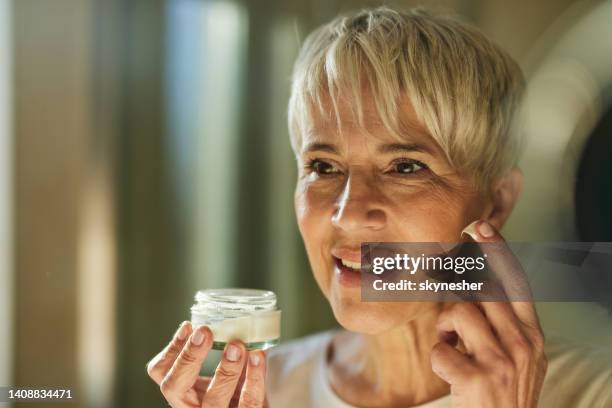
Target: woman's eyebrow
{"type": "Point", "coordinates": [404, 147]}
{"type": "Point", "coordinates": [322, 147]}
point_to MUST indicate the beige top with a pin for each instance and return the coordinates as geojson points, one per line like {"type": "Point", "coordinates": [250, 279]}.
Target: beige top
{"type": "Point", "coordinates": [578, 376]}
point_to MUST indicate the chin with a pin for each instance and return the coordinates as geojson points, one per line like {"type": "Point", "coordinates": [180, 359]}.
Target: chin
{"type": "Point", "coordinates": [372, 317]}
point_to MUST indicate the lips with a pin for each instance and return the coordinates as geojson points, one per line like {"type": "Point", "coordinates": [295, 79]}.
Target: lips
{"type": "Point", "coordinates": [347, 276]}
{"type": "Point", "coordinates": [348, 255]}
{"type": "Point", "coordinates": [341, 265]}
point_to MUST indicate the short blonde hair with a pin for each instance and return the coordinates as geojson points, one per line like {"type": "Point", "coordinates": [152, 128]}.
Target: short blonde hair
{"type": "Point", "coordinates": [463, 88]}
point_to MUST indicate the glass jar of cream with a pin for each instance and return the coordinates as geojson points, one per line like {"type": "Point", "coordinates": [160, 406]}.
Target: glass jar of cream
{"type": "Point", "coordinates": [249, 315]}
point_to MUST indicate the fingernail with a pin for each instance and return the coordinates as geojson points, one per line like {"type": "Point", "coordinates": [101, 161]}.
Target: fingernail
{"type": "Point", "coordinates": [197, 338]}
{"type": "Point", "coordinates": [254, 359]}
{"type": "Point", "coordinates": [183, 331]}
{"type": "Point", "coordinates": [439, 373]}
{"type": "Point", "coordinates": [471, 231]}
{"type": "Point", "coordinates": [485, 229]}
{"type": "Point", "coordinates": [232, 353]}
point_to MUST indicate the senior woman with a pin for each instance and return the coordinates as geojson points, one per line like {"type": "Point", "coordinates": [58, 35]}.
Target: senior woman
{"type": "Point", "coordinates": [401, 122]}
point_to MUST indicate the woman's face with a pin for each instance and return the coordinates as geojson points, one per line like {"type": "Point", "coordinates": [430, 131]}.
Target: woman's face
{"type": "Point", "coordinates": [356, 187]}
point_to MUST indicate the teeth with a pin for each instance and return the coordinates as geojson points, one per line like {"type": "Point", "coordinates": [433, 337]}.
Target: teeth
{"type": "Point", "coordinates": [354, 265]}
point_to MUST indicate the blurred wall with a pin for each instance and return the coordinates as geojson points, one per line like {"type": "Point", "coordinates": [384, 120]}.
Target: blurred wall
{"type": "Point", "coordinates": [6, 200]}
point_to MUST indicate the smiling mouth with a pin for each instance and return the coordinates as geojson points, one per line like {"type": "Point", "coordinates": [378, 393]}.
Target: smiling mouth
{"type": "Point", "coordinates": [349, 266]}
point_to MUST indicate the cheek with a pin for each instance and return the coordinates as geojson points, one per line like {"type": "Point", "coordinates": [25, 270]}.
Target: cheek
{"type": "Point", "coordinates": [313, 208]}
{"type": "Point", "coordinates": [432, 214]}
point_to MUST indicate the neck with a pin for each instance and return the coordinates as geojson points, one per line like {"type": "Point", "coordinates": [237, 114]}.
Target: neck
{"type": "Point", "coordinates": [387, 369]}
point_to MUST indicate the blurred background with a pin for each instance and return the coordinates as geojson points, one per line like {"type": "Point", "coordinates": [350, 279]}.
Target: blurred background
{"type": "Point", "coordinates": [144, 155]}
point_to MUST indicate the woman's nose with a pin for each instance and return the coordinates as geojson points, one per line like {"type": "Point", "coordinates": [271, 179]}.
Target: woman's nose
{"type": "Point", "coordinates": [359, 207]}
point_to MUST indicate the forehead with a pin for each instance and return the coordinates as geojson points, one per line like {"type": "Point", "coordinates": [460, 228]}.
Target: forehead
{"type": "Point", "coordinates": [342, 125]}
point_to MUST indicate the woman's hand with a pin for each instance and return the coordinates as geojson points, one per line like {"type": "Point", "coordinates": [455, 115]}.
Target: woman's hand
{"type": "Point", "coordinates": [504, 363]}
{"type": "Point", "coordinates": [238, 380]}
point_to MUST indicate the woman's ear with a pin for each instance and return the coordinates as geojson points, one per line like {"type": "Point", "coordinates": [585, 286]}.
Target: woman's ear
{"type": "Point", "coordinates": [504, 196]}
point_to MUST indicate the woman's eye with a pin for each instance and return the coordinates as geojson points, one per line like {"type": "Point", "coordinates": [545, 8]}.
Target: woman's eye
{"type": "Point", "coordinates": [321, 167]}
{"type": "Point", "coordinates": [408, 167]}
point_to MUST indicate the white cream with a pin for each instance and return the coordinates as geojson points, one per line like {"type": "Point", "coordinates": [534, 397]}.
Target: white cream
{"type": "Point", "coordinates": [249, 315]}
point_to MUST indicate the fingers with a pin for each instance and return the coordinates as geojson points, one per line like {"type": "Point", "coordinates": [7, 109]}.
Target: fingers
{"type": "Point", "coordinates": [507, 269]}
{"type": "Point", "coordinates": [506, 325]}
{"type": "Point", "coordinates": [186, 368]}
{"type": "Point", "coordinates": [450, 364]}
{"type": "Point", "coordinates": [525, 348]}
{"type": "Point", "coordinates": [485, 370]}
{"type": "Point", "coordinates": [516, 323]}
{"type": "Point", "coordinates": [509, 329]}
{"type": "Point", "coordinates": [161, 363]}
{"type": "Point", "coordinates": [492, 384]}
{"type": "Point", "coordinates": [253, 391]}
{"type": "Point", "coordinates": [226, 377]}
{"type": "Point", "coordinates": [472, 327]}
